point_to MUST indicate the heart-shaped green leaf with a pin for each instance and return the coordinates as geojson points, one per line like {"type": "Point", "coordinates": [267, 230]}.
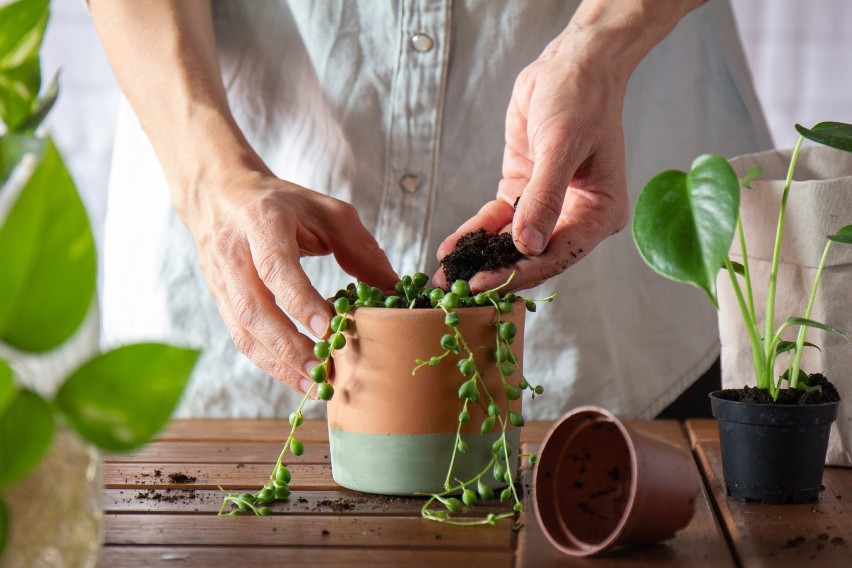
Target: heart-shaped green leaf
{"type": "Point", "coordinates": [26, 429]}
{"type": "Point", "coordinates": [803, 377]}
{"type": "Point", "coordinates": [684, 223]}
{"type": "Point", "coordinates": [844, 235]}
{"type": "Point", "coordinates": [22, 26]}
{"type": "Point", "coordinates": [47, 252]}
{"type": "Point", "coordinates": [834, 134]}
{"type": "Point", "coordinates": [121, 398]}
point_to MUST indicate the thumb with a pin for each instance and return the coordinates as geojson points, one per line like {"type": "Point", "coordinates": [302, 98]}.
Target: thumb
{"type": "Point", "coordinates": [541, 201]}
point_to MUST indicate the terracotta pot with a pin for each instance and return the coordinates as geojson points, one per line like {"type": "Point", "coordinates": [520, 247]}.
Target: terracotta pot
{"type": "Point", "coordinates": [393, 433]}
{"type": "Point", "coordinates": [600, 483]}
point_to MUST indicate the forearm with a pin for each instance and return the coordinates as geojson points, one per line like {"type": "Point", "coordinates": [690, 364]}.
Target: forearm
{"type": "Point", "coordinates": [617, 34]}
{"type": "Point", "coordinates": [164, 56]}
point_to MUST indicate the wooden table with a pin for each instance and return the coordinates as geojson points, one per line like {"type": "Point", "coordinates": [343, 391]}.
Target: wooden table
{"type": "Point", "coordinates": [161, 506]}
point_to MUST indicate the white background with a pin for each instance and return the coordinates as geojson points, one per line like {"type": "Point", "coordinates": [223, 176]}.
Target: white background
{"type": "Point", "coordinates": [800, 54]}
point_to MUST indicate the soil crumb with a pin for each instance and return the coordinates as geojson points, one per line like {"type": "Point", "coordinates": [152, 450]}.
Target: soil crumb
{"type": "Point", "coordinates": [479, 251]}
{"type": "Point", "coordinates": [182, 478]}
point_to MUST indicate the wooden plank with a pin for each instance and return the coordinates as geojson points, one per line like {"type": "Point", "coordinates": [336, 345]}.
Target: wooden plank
{"type": "Point", "coordinates": [700, 544]}
{"type": "Point", "coordinates": [341, 502]}
{"type": "Point", "coordinates": [184, 452]}
{"type": "Point", "coordinates": [243, 430]}
{"type": "Point", "coordinates": [227, 557]}
{"type": "Point", "coordinates": [702, 430]}
{"type": "Point", "coordinates": [315, 477]}
{"type": "Point", "coordinates": [785, 535]}
{"type": "Point", "coordinates": [276, 430]}
{"type": "Point", "coordinates": [304, 531]}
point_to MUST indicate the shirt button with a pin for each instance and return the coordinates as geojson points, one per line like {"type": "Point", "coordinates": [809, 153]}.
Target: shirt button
{"type": "Point", "coordinates": [409, 183]}
{"type": "Point", "coordinates": [421, 42]}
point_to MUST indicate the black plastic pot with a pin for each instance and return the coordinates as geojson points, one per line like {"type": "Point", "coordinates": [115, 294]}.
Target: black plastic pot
{"type": "Point", "coordinates": [772, 453]}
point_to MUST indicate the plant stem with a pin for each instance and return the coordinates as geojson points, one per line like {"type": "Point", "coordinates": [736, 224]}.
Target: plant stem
{"type": "Point", "coordinates": [769, 324]}
{"type": "Point", "coordinates": [751, 329]}
{"type": "Point", "coordinates": [793, 376]}
{"type": "Point", "coordinates": [746, 271]}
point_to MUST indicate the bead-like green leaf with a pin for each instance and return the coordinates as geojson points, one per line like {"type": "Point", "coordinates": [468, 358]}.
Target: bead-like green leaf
{"type": "Point", "coordinates": [684, 223]}
{"type": "Point", "coordinates": [26, 429]}
{"type": "Point", "coordinates": [844, 235]}
{"type": "Point", "coordinates": [120, 399]}
{"type": "Point", "coordinates": [22, 26]}
{"type": "Point", "coordinates": [833, 134]}
{"type": "Point", "coordinates": [47, 252]}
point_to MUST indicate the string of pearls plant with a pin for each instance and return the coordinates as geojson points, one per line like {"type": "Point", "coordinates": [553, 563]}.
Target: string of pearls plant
{"type": "Point", "coordinates": [412, 292]}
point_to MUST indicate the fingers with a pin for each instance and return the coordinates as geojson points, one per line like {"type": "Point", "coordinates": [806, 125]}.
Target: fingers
{"type": "Point", "coordinates": [357, 252]}
{"type": "Point", "coordinates": [258, 328]}
{"type": "Point", "coordinates": [542, 200]}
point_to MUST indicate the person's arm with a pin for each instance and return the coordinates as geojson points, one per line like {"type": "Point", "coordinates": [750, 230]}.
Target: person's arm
{"type": "Point", "coordinates": [251, 228]}
{"type": "Point", "coordinates": [563, 163]}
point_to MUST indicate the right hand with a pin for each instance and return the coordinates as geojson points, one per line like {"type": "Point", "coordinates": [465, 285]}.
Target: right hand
{"type": "Point", "coordinates": [251, 232]}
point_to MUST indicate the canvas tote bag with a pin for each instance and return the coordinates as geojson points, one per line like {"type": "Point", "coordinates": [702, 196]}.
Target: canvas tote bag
{"type": "Point", "coordinates": [819, 204]}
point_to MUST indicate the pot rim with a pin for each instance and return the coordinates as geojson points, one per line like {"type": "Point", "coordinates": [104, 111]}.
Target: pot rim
{"type": "Point", "coordinates": [716, 395]}
{"type": "Point", "coordinates": [580, 547]}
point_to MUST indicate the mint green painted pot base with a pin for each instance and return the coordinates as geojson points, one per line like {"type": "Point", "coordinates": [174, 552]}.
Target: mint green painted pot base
{"type": "Point", "coordinates": [405, 464]}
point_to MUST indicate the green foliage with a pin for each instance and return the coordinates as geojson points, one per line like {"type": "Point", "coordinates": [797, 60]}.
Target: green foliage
{"type": "Point", "coordinates": [833, 134]}
{"type": "Point", "coordinates": [21, 448]}
{"type": "Point", "coordinates": [120, 399]}
{"type": "Point", "coordinates": [22, 26]}
{"type": "Point", "coordinates": [47, 284]}
{"type": "Point", "coordinates": [684, 223]}
{"type": "Point", "coordinates": [48, 256]}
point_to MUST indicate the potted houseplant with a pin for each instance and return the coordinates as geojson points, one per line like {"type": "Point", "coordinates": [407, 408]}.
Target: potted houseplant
{"type": "Point", "coordinates": [60, 398]}
{"type": "Point", "coordinates": [773, 438]}
{"type": "Point", "coordinates": [426, 397]}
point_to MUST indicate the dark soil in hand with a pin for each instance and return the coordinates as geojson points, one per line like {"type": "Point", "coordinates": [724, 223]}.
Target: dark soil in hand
{"type": "Point", "coordinates": [479, 251]}
{"type": "Point", "coordinates": [787, 396]}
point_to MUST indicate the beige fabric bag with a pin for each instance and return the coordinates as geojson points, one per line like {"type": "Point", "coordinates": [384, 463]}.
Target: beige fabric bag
{"type": "Point", "coordinates": [819, 204]}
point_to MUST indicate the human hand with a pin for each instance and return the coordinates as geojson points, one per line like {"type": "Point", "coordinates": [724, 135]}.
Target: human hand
{"type": "Point", "coordinates": [251, 232]}
{"type": "Point", "coordinates": [563, 165]}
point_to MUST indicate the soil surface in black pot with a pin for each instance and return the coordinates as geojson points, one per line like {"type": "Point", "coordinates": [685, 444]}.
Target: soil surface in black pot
{"type": "Point", "coordinates": [788, 396]}
{"type": "Point", "coordinates": [478, 251]}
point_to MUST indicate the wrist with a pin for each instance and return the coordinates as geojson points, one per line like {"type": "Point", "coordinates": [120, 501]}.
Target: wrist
{"type": "Point", "coordinates": [617, 35]}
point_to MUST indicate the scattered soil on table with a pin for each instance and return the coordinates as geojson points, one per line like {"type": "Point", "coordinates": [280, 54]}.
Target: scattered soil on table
{"type": "Point", "coordinates": [182, 478]}
{"type": "Point", "coordinates": [787, 396]}
{"type": "Point", "coordinates": [478, 251]}
{"type": "Point", "coordinates": [336, 505]}
{"type": "Point", "coordinates": [821, 542]}
{"type": "Point", "coordinates": [185, 496]}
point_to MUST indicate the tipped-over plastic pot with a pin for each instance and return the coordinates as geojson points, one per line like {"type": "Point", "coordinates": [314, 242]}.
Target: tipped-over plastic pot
{"type": "Point", "coordinates": [600, 483]}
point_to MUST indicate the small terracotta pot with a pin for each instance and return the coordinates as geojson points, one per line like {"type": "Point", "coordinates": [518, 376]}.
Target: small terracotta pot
{"type": "Point", "coordinates": [392, 432]}
{"type": "Point", "coordinates": [600, 483]}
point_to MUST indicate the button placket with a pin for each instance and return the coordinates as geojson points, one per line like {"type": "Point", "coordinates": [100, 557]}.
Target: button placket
{"type": "Point", "coordinates": [415, 130]}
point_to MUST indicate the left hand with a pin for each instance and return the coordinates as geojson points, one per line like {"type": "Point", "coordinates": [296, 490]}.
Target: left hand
{"type": "Point", "coordinates": [564, 159]}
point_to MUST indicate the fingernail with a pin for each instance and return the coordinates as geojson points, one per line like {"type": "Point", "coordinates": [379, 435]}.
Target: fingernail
{"type": "Point", "coordinates": [318, 325]}
{"type": "Point", "coordinates": [309, 366]}
{"type": "Point", "coordinates": [533, 239]}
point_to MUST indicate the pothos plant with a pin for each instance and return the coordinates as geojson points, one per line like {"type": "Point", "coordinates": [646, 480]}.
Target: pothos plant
{"type": "Point", "coordinates": [116, 400]}
{"type": "Point", "coordinates": [412, 292]}
{"type": "Point", "coordinates": [684, 224]}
